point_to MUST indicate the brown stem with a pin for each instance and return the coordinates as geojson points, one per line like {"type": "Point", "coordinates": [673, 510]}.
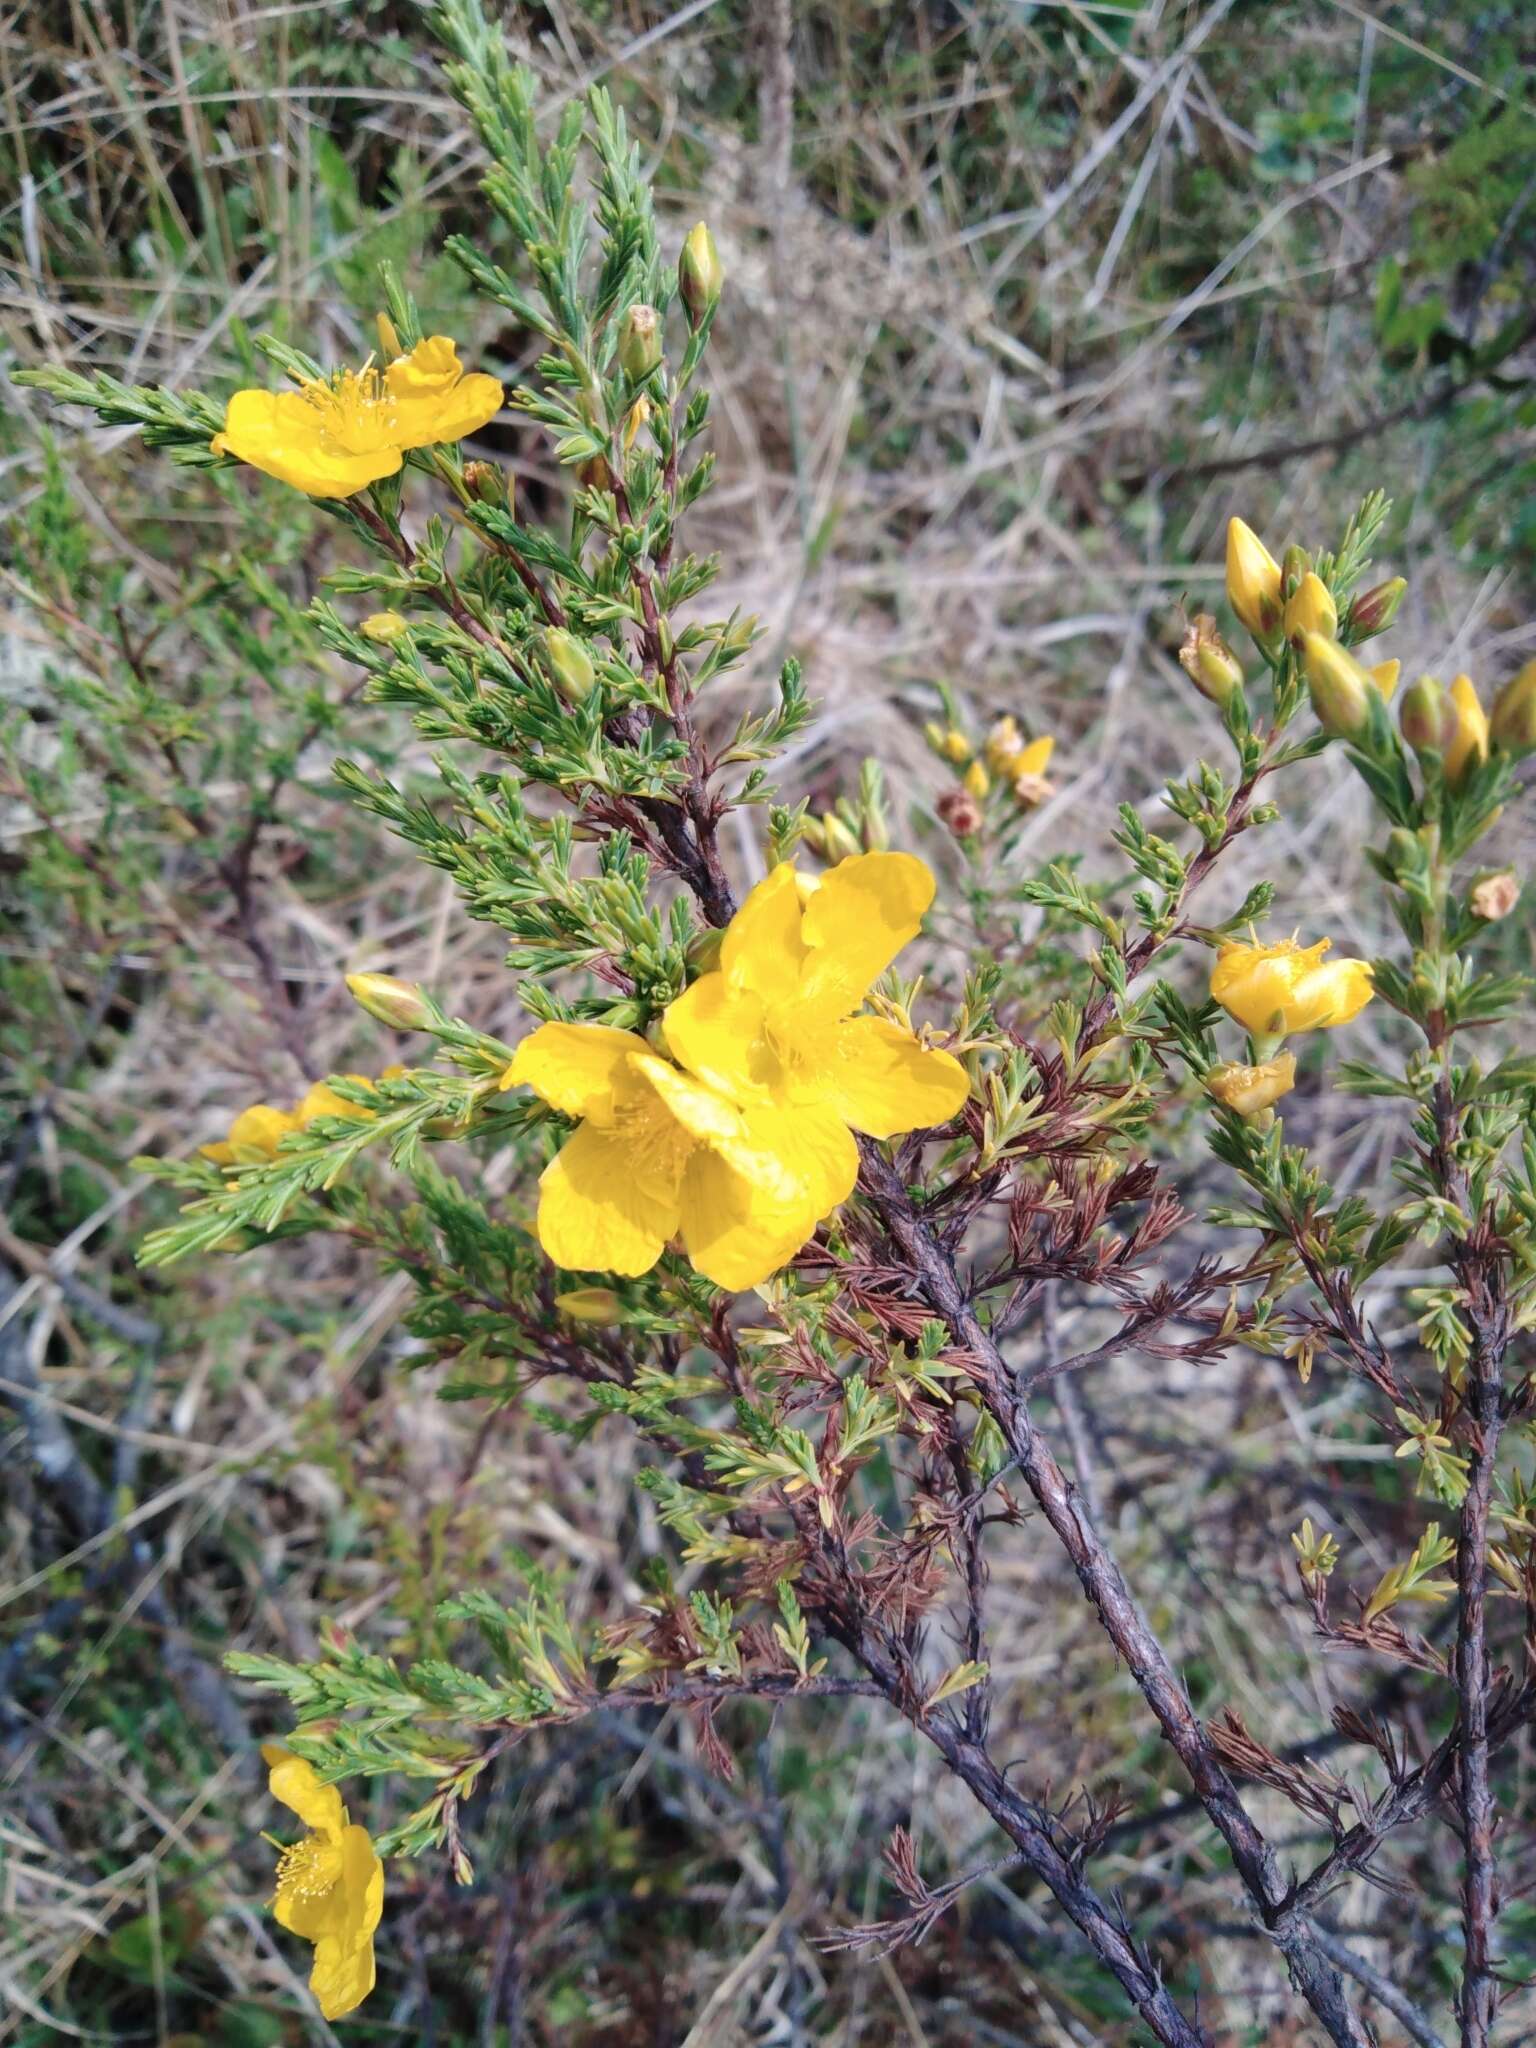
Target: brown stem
{"type": "Point", "coordinates": [1314, 1976]}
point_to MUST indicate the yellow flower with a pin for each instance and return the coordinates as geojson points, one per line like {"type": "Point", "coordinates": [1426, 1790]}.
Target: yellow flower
{"type": "Point", "coordinates": [744, 1144]}
{"type": "Point", "coordinates": [253, 1136]}
{"type": "Point", "coordinates": [1249, 1090]}
{"type": "Point", "coordinates": [976, 781]}
{"type": "Point", "coordinates": [1311, 609]}
{"type": "Point", "coordinates": [773, 1030]}
{"type": "Point", "coordinates": [1276, 989]}
{"type": "Point", "coordinates": [657, 1152]}
{"type": "Point", "coordinates": [1469, 744]}
{"type": "Point", "coordinates": [336, 437]}
{"type": "Point", "coordinates": [330, 1885]}
{"type": "Point", "coordinates": [1253, 580]}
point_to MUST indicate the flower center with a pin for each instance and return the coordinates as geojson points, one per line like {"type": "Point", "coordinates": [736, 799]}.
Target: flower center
{"type": "Point", "coordinates": [309, 1868]}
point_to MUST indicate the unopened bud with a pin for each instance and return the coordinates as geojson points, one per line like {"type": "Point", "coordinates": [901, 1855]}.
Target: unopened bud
{"type": "Point", "coordinates": [595, 473]}
{"type": "Point", "coordinates": [635, 419]}
{"type": "Point", "coordinates": [1403, 852]}
{"type": "Point", "coordinates": [1311, 609]}
{"type": "Point", "coordinates": [1468, 747]}
{"type": "Point", "coordinates": [1428, 717]}
{"type": "Point", "coordinates": [590, 1305]}
{"type": "Point", "coordinates": [1295, 564]}
{"type": "Point", "coordinates": [487, 482]}
{"type": "Point", "coordinates": [1494, 896]}
{"type": "Point", "coordinates": [384, 628]}
{"type": "Point", "coordinates": [1004, 744]}
{"type": "Point", "coordinates": [960, 812]}
{"type": "Point", "coordinates": [1513, 724]}
{"type": "Point", "coordinates": [1340, 687]}
{"type": "Point", "coordinates": [1253, 581]}
{"type": "Point", "coordinates": [1209, 662]}
{"type": "Point", "coordinates": [952, 744]}
{"type": "Point", "coordinates": [389, 340]}
{"type": "Point", "coordinates": [1251, 1090]}
{"type": "Point", "coordinates": [1375, 609]}
{"type": "Point", "coordinates": [976, 781]}
{"type": "Point", "coordinates": [838, 840]}
{"type": "Point", "coordinates": [640, 342]}
{"type": "Point", "coordinates": [399, 1004]}
{"type": "Point", "coordinates": [569, 664]}
{"type": "Point", "coordinates": [699, 276]}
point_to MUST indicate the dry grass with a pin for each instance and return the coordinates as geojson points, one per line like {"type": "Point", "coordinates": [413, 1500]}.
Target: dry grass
{"type": "Point", "coordinates": [970, 315]}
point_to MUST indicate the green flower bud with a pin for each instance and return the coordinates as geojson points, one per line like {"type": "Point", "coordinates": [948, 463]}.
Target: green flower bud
{"type": "Point", "coordinates": [399, 1004]}
{"type": "Point", "coordinates": [699, 276]}
{"type": "Point", "coordinates": [488, 483]}
{"type": "Point", "coordinates": [1341, 689]}
{"type": "Point", "coordinates": [569, 664]}
{"type": "Point", "coordinates": [1295, 563]}
{"type": "Point", "coordinates": [1375, 609]}
{"type": "Point", "coordinates": [640, 342]}
{"type": "Point", "coordinates": [1428, 717]}
{"type": "Point", "coordinates": [384, 628]}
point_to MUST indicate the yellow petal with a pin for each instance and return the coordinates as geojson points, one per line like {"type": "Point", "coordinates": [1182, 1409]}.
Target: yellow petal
{"type": "Point", "coordinates": [578, 1069]}
{"type": "Point", "coordinates": [608, 1200]}
{"type": "Point", "coordinates": [1331, 995]}
{"type": "Point", "coordinates": [865, 911]}
{"type": "Point", "coordinates": [1470, 742]}
{"type": "Point", "coordinates": [880, 1080]}
{"type": "Point", "coordinates": [294, 1782]}
{"type": "Point", "coordinates": [733, 1236]}
{"type": "Point", "coordinates": [321, 1099]}
{"type": "Point", "coordinates": [717, 1030]}
{"type": "Point", "coordinates": [702, 1111]}
{"type": "Point", "coordinates": [431, 400]}
{"type": "Point", "coordinates": [798, 1155]}
{"type": "Point", "coordinates": [255, 1133]}
{"type": "Point", "coordinates": [343, 1974]}
{"type": "Point", "coordinates": [1384, 675]}
{"type": "Point", "coordinates": [1036, 757]}
{"type": "Point", "coordinates": [763, 949]}
{"type": "Point", "coordinates": [284, 434]}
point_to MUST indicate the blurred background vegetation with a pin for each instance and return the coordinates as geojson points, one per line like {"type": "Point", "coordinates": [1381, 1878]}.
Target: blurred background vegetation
{"type": "Point", "coordinates": [1022, 301]}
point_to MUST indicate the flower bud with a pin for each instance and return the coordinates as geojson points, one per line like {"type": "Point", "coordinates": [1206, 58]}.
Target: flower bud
{"type": "Point", "coordinates": [699, 276]}
{"type": "Point", "coordinates": [399, 1004]}
{"type": "Point", "coordinates": [1513, 724]}
{"type": "Point", "coordinates": [1311, 609]}
{"type": "Point", "coordinates": [953, 744]}
{"type": "Point", "coordinates": [1209, 662]}
{"type": "Point", "coordinates": [384, 628]}
{"type": "Point", "coordinates": [1468, 747]}
{"type": "Point", "coordinates": [1375, 609]}
{"type": "Point", "coordinates": [1029, 784]}
{"type": "Point", "coordinates": [487, 482]}
{"type": "Point", "coordinates": [635, 419]}
{"type": "Point", "coordinates": [838, 841]}
{"type": "Point", "coordinates": [1253, 581]}
{"type": "Point", "coordinates": [976, 781]}
{"type": "Point", "coordinates": [1250, 1090]}
{"type": "Point", "coordinates": [389, 340]}
{"type": "Point", "coordinates": [1295, 563]}
{"type": "Point", "coordinates": [1004, 744]}
{"type": "Point", "coordinates": [640, 342]}
{"type": "Point", "coordinates": [1494, 896]}
{"type": "Point", "coordinates": [590, 1305]}
{"type": "Point", "coordinates": [1403, 851]}
{"type": "Point", "coordinates": [569, 664]}
{"type": "Point", "coordinates": [1384, 675]}
{"type": "Point", "coordinates": [1340, 687]}
{"type": "Point", "coordinates": [1428, 717]}
{"type": "Point", "coordinates": [960, 812]}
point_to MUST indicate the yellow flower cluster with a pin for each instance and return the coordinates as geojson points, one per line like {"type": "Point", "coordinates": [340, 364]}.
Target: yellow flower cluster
{"type": "Point", "coordinates": [333, 438]}
{"type": "Point", "coordinates": [1005, 756]}
{"type": "Point", "coordinates": [741, 1138]}
{"type": "Point", "coordinates": [256, 1133]}
{"type": "Point", "coordinates": [330, 1885]}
